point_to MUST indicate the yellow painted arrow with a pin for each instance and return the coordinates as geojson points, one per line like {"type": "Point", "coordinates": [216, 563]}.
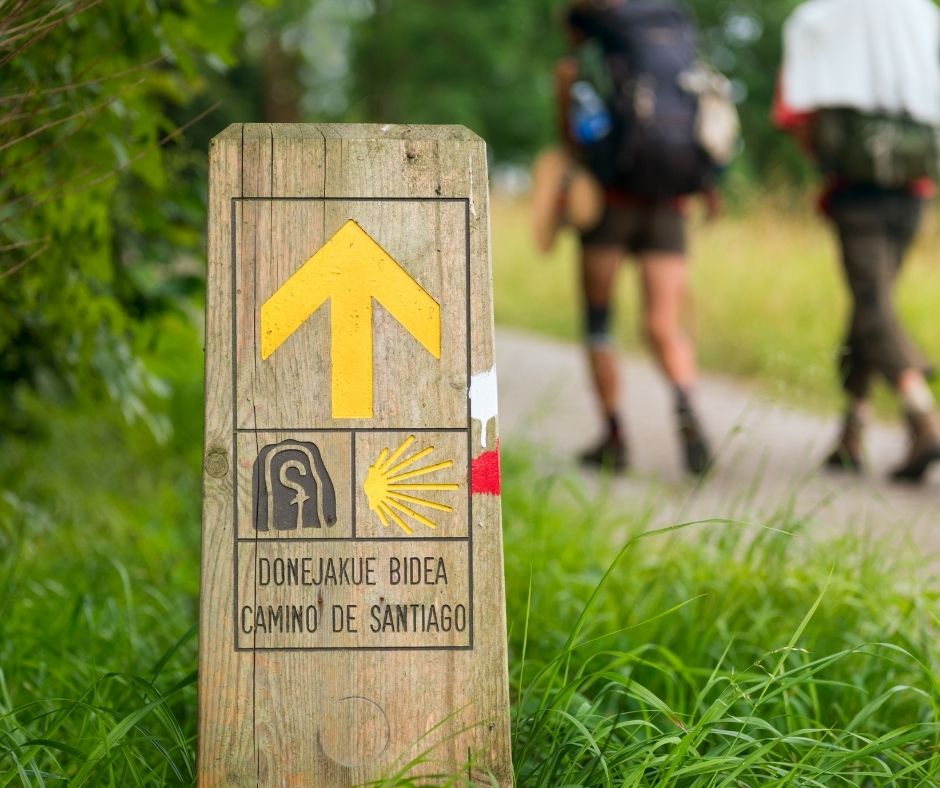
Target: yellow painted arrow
{"type": "Point", "coordinates": [350, 270]}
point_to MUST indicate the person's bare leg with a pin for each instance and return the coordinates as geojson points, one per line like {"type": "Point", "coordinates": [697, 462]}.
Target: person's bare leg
{"type": "Point", "coordinates": [665, 279]}
{"type": "Point", "coordinates": [599, 265]}
{"type": "Point", "coordinates": [666, 297]}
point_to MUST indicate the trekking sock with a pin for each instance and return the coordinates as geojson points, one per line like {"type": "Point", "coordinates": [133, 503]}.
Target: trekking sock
{"type": "Point", "coordinates": [918, 398]}
{"type": "Point", "coordinates": [698, 457]}
{"type": "Point", "coordinates": [858, 411]}
{"type": "Point", "coordinates": [614, 432]}
{"type": "Point", "coordinates": [848, 452]}
{"type": "Point", "coordinates": [857, 416]}
{"type": "Point", "coordinates": [683, 397]}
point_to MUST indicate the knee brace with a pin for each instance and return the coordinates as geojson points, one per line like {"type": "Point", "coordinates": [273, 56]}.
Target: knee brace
{"type": "Point", "coordinates": [597, 328]}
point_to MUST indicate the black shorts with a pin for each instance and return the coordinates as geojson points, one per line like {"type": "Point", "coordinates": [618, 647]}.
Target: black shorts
{"type": "Point", "coordinates": [640, 226]}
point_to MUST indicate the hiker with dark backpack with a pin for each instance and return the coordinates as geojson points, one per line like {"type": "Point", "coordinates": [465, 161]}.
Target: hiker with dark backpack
{"type": "Point", "coordinates": [633, 103]}
{"type": "Point", "coordinates": [860, 89]}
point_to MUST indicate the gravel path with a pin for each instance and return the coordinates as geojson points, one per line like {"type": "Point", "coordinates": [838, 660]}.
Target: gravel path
{"type": "Point", "coordinates": [768, 453]}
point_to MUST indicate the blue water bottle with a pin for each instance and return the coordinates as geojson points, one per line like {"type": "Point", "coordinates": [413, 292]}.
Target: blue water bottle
{"type": "Point", "coordinates": [590, 118]}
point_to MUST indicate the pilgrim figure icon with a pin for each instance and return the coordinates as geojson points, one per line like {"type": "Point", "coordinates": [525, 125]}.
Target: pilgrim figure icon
{"type": "Point", "coordinates": [292, 488]}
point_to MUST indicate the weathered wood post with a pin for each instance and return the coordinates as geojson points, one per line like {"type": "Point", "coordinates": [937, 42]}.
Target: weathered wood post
{"type": "Point", "coordinates": [352, 613]}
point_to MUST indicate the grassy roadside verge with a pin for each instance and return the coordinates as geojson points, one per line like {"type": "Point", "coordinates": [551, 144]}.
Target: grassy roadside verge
{"type": "Point", "coordinates": [715, 654]}
{"type": "Point", "coordinates": [768, 306]}
{"type": "Point", "coordinates": [700, 661]}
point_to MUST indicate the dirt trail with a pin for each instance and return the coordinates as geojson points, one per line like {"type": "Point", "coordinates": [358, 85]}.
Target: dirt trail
{"type": "Point", "coordinates": [768, 453]}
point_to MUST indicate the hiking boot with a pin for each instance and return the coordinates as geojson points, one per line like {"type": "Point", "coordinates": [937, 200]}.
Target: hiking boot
{"type": "Point", "coordinates": [610, 454]}
{"type": "Point", "coordinates": [847, 454]}
{"type": "Point", "coordinates": [925, 447]}
{"type": "Point", "coordinates": [698, 459]}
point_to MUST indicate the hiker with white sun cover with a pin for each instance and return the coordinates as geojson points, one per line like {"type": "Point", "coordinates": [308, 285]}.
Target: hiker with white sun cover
{"type": "Point", "coordinates": [860, 89]}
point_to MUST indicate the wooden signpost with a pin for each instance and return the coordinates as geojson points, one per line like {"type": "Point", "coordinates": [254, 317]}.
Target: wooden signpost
{"type": "Point", "coordinates": [352, 614]}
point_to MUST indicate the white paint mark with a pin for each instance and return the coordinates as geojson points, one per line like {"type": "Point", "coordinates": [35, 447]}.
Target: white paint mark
{"type": "Point", "coordinates": [483, 400]}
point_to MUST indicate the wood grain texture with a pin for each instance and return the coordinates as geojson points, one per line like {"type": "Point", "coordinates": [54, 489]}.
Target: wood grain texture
{"type": "Point", "coordinates": [303, 705]}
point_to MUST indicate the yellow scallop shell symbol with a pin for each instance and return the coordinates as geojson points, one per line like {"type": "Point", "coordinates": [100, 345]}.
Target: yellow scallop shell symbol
{"type": "Point", "coordinates": [391, 480]}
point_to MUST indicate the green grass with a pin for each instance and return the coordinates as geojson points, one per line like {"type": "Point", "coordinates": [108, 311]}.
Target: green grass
{"type": "Point", "coordinates": [714, 653]}
{"type": "Point", "coordinates": [769, 301]}
{"type": "Point", "coordinates": [717, 654]}
{"type": "Point", "coordinates": [99, 548]}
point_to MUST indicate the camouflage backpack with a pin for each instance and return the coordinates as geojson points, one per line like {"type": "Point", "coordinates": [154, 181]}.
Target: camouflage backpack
{"type": "Point", "coordinates": [880, 149]}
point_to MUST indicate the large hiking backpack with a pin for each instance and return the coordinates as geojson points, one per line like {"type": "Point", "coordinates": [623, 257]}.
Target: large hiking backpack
{"type": "Point", "coordinates": [876, 149]}
{"type": "Point", "coordinates": [655, 147]}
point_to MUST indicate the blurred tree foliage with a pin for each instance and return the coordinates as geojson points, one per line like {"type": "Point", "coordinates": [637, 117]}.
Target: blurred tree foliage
{"type": "Point", "coordinates": [95, 228]}
{"type": "Point", "coordinates": [106, 110]}
{"type": "Point", "coordinates": [485, 65]}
